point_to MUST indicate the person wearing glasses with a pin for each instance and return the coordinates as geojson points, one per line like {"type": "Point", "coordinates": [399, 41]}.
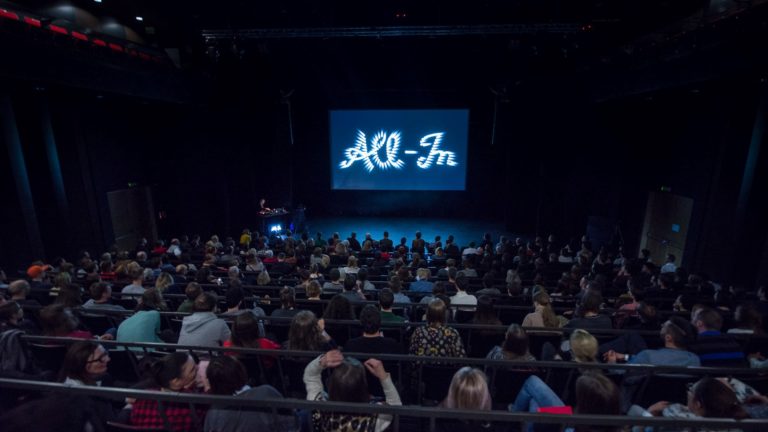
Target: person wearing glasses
{"type": "Point", "coordinates": [85, 364]}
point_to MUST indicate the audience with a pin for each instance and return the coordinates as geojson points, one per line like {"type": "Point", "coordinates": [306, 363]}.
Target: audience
{"type": "Point", "coordinates": [203, 327]}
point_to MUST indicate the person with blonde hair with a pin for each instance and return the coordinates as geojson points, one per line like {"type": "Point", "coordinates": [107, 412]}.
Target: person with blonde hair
{"type": "Point", "coordinates": [163, 282]}
{"type": "Point", "coordinates": [583, 346]}
{"type": "Point", "coordinates": [263, 278]}
{"type": "Point", "coordinates": [468, 391]}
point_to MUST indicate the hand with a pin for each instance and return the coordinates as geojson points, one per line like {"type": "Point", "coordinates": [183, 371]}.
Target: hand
{"type": "Point", "coordinates": [376, 367]}
{"type": "Point", "coordinates": [321, 324]}
{"type": "Point", "coordinates": [331, 359]}
{"type": "Point", "coordinates": [612, 356]}
{"type": "Point", "coordinates": [657, 408]}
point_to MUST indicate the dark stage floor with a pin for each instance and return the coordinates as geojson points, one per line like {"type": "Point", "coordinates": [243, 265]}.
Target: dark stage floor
{"type": "Point", "coordinates": [463, 230]}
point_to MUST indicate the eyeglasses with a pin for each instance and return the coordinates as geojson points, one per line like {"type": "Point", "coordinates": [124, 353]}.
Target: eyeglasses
{"type": "Point", "coordinates": [100, 358]}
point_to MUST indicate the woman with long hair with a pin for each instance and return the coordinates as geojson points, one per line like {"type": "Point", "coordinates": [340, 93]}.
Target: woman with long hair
{"type": "Point", "coordinates": [348, 383]}
{"type": "Point", "coordinates": [436, 339]}
{"type": "Point", "coordinates": [544, 315]}
{"type": "Point", "coordinates": [514, 347]}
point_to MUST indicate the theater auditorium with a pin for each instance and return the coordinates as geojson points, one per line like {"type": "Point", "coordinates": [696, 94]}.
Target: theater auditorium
{"type": "Point", "coordinates": [342, 216]}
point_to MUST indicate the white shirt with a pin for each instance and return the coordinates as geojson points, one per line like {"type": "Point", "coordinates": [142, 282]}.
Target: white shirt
{"type": "Point", "coordinates": [668, 268]}
{"type": "Point", "coordinates": [462, 298]}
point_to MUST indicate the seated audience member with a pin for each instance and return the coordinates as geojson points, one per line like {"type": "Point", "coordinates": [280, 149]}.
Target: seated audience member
{"type": "Point", "coordinates": [450, 263]}
{"type": "Point", "coordinates": [710, 398]}
{"type": "Point", "coordinates": [235, 299]}
{"type": "Point", "coordinates": [422, 283]}
{"type": "Point", "coordinates": [192, 290]}
{"type": "Point", "coordinates": [203, 327]}
{"type": "Point", "coordinates": [438, 289]}
{"type": "Point", "coordinates": [59, 321]}
{"type": "Point", "coordinates": [85, 364]}
{"type": "Point", "coordinates": [514, 347]}
{"type": "Point", "coordinates": [351, 267]}
{"type": "Point", "coordinates": [468, 270]}
{"type": "Point", "coordinates": [176, 372]}
{"type": "Point", "coordinates": [246, 333]}
{"type": "Point", "coordinates": [486, 313]}
{"type": "Point", "coordinates": [462, 297]}
{"type": "Point", "coordinates": [352, 291]}
{"type": "Point", "coordinates": [543, 314]}
{"type": "Point", "coordinates": [101, 298]}
{"type": "Point", "coordinates": [595, 395]}
{"type": "Point", "coordinates": [468, 391]}
{"type": "Point", "coordinates": [372, 341]}
{"type": "Point", "coordinates": [307, 334]}
{"type": "Point", "coordinates": [589, 313]}
{"type": "Point", "coordinates": [435, 339]}
{"type": "Point", "coordinates": [19, 291]}
{"type": "Point", "coordinates": [144, 325]}
{"type": "Point", "coordinates": [488, 286]}
{"type": "Point", "coordinates": [136, 273]}
{"type": "Point", "coordinates": [748, 320]}
{"type": "Point", "coordinates": [333, 286]}
{"type": "Point", "coordinates": [715, 349]}
{"type": "Point", "coordinates": [396, 285]}
{"type": "Point", "coordinates": [676, 334]}
{"type": "Point", "coordinates": [386, 300]}
{"type": "Point", "coordinates": [362, 281]}
{"type": "Point", "coordinates": [228, 377]}
{"type": "Point", "coordinates": [347, 383]}
{"type": "Point", "coordinates": [164, 282]}
{"type": "Point", "coordinates": [287, 304]}
{"type": "Point", "coordinates": [11, 316]}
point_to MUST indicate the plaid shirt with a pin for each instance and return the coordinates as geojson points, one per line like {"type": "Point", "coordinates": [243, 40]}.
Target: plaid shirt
{"type": "Point", "coordinates": [180, 417]}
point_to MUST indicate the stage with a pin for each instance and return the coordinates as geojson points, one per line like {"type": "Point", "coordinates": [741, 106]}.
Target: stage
{"type": "Point", "coordinates": [463, 230]}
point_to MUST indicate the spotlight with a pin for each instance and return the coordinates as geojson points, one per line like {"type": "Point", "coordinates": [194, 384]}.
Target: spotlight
{"type": "Point", "coordinates": [275, 228]}
{"type": "Point", "coordinates": [138, 18]}
{"type": "Point", "coordinates": [97, 1]}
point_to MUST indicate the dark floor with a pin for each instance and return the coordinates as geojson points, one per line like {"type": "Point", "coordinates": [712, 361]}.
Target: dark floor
{"type": "Point", "coordinates": [464, 231]}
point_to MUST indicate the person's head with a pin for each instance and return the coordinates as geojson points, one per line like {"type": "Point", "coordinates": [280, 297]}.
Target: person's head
{"type": "Point", "coordinates": [313, 289]}
{"type": "Point", "coordinates": [37, 272]}
{"type": "Point", "coordinates": [423, 273]}
{"type": "Point", "coordinates": [205, 302]}
{"type": "Point", "coordinates": [19, 289]}
{"type": "Point", "coordinates": [350, 282]}
{"type": "Point", "coordinates": [226, 375]}
{"type": "Point", "coordinates": [671, 258]}
{"type": "Point", "coordinates": [591, 302]}
{"type": "Point", "coordinates": [395, 284]}
{"type": "Point", "coordinates": [57, 320]}
{"type": "Point", "coordinates": [164, 281]}
{"type": "Point", "coordinates": [583, 346]}
{"type": "Point", "coordinates": [370, 320]}
{"type": "Point", "coordinates": [305, 333]}
{"type": "Point", "coordinates": [85, 361]}
{"type": "Point", "coordinates": [597, 394]}
{"type": "Point", "coordinates": [334, 274]}
{"type": "Point", "coordinates": [287, 298]}
{"type": "Point", "coordinates": [234, 297]}
{"type": "Point", "coordinates": [340, 308]}
{"type": "Point", "coordinates": [348, 383]}
{"type": "Point", "coordinates": [151, 299]}
{"type": "Point", "coordinates": [485, 312]}
{"type": "Point", "coordinates": [193, 290]}
{"type": "Point", "coordinates": [515, 341]}
{"type": "Point", "coordinates": [62, 279]}
{"type": "Point", "coordinates": [462, 283]}
{"type": "Point", "coordinates": [11, 313]}
{"type": "Point", "coordinates": [677, 332]}
{"type": "Point", "coordinates": [707, 319]}
{"type": "Point", "coordinates": [436, 311]}
{"type": "Point", "coordinates": [452, 273]}
{"type": "Point", "coordinates": [747, 316]}
{"type": "Point", "coordinates": [175, 371]}
{"type": "Point", "coordinates": [386, 299]}
{"type": "Point", "coordinates": [352, 261]}
{"type": "Point", "coordinates": [710, 397]}
{"type": "Point", "coordinates": [468, 390]}
{"type": "Point", "coordinates": [101, 291]}
{"type": "Point", "coordinates": [246, 331]}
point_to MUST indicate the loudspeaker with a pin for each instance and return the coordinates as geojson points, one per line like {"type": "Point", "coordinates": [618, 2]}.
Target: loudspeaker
{"type": "Point", "coordinates": [133, 216]}
{"type": "Point", "coordinates": [665, 228]}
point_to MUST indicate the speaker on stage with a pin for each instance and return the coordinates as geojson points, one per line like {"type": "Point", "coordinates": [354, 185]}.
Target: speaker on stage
{"type": "Point", "coordinates": [665, 228]}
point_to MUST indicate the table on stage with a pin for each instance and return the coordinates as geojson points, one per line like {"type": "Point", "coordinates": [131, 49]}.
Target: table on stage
{"type": "Point", "coordinates": [276, 216]}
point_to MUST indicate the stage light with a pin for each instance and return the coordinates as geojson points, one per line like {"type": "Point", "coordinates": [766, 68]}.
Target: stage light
{"type": "Point", "coordinates": [275, 228]}
{"type": "Point", "coordinates": [138, 18]}
{"type": "Point", "coordinates": [97, 1]}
